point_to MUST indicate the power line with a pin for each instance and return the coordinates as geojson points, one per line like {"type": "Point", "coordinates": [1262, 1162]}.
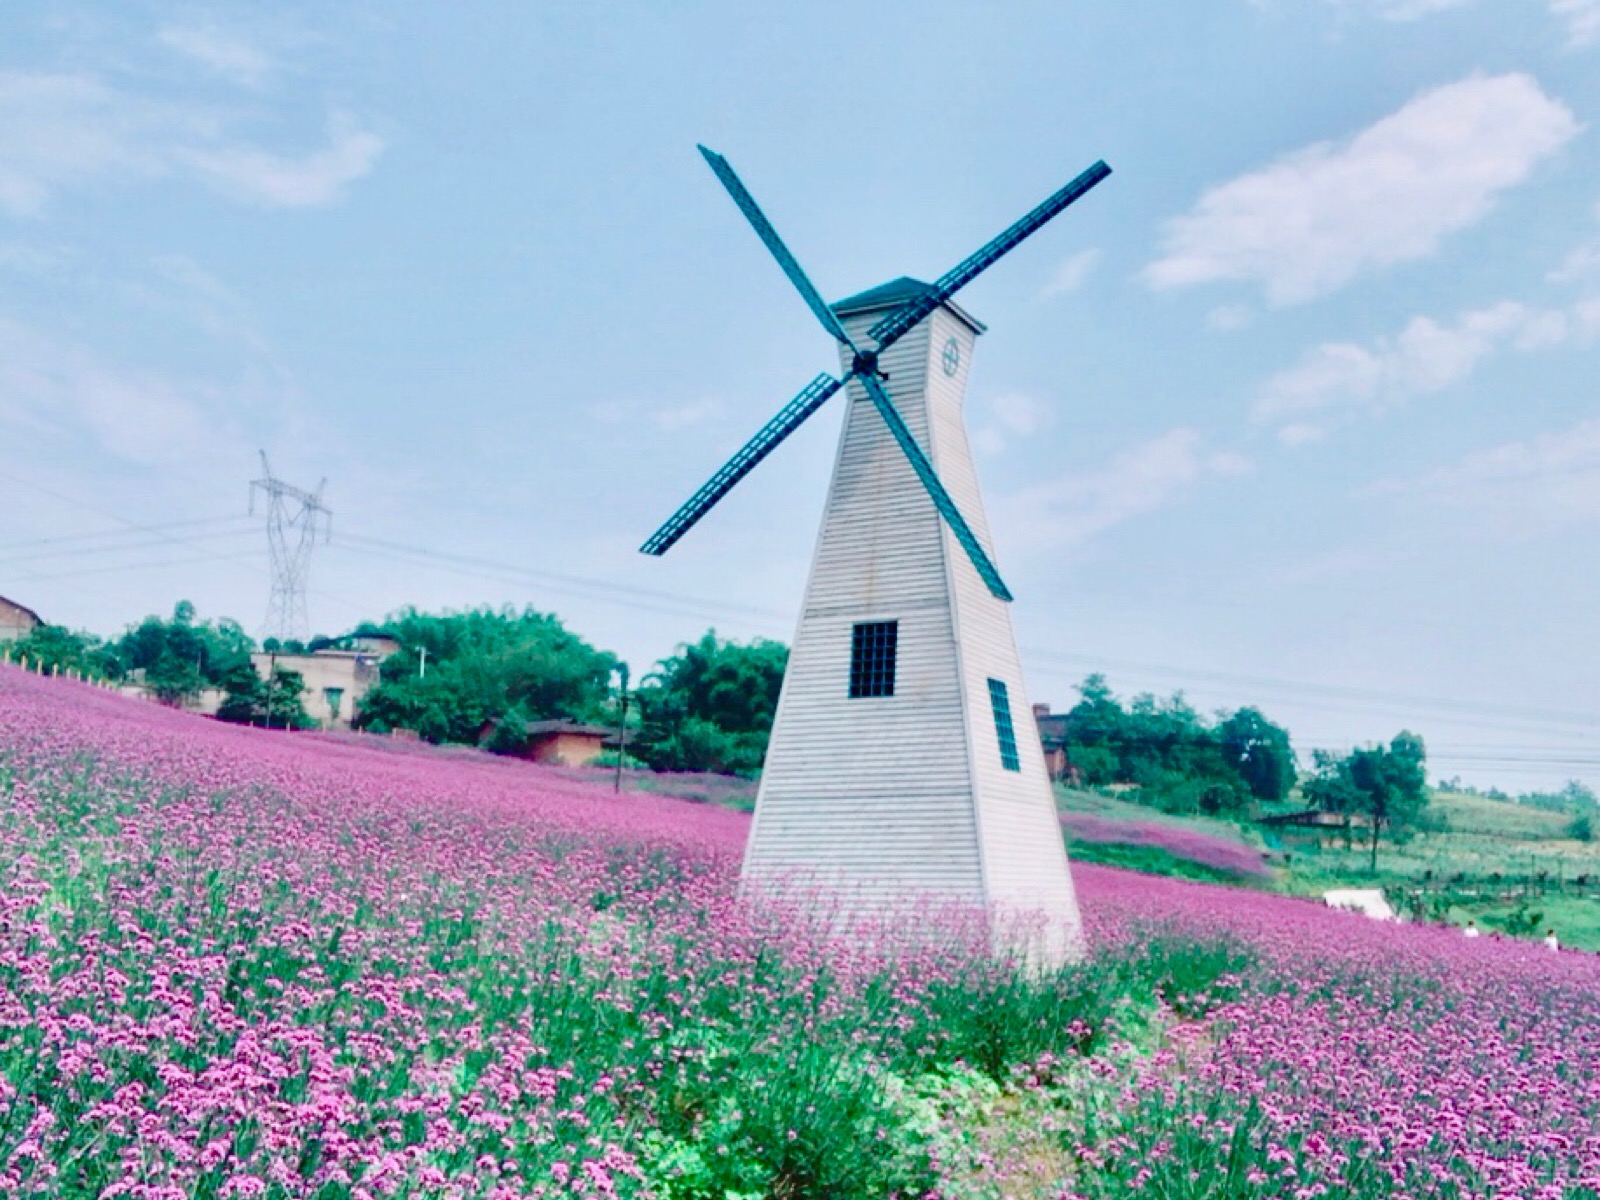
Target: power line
{"type": "Point", "coordinates": [118, 533]}
{"type": "Point", "coordinates": [1336, 695]}
{"type": "Point", "coordinates": [584, 587]}
{"type": "Point", "coordinates": [124, 547]}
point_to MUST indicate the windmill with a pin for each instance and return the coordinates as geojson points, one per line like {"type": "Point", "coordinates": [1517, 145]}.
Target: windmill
{"type": "Point", "coordinates": [903, 763]}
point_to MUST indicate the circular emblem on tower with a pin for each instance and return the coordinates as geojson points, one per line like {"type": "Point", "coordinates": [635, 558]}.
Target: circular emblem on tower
{"type": "Point", "coordinates": [952, 357]}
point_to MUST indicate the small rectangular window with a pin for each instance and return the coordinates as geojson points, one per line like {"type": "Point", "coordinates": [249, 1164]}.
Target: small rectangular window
{"type": "Point", "coordinates": [1001, 703]}
{"type": "Point", "coordinates": [872, 658]}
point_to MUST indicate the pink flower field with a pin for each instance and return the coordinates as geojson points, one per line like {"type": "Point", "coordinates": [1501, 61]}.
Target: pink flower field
{"type": "Point", "coordinates": [236, 963]}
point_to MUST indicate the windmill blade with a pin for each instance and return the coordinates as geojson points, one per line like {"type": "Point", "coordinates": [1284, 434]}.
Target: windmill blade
{"type": "Point", "coordinates": [903, 319]}
{"type": "Point", "coordinates": [789, 418]}
{"type": "Point", "coordinates": [769, 235]}
{"type": "Point", "coordinates": [930, 480]}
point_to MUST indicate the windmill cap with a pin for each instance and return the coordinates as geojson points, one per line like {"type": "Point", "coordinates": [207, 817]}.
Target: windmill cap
{"type": "Point", "coordinates": [895, 293]}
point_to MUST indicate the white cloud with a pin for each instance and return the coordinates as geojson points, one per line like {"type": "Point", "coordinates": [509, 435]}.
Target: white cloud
{"type": "Point", "coordinates": [1407, 10]}
{"type": "Point", "coordinates": [1582, 19]}
{"type": "Point", "coordinates": [1538, 484]}
{"type": "Point", "coordinates": [1314, 220]}
{"type": "Point", "coordinates": [1142, 479]}
{"type": "Point", "coordinates": [229, 57]}
{"type": "Point", "coordinates": [278, 181]}
{"type": "Point", "coordinates": [1425, 357]}
{"type": "Point", "coordinates": [1011, 415]}
{"type": "Point", "coordinates": [59, 131]}
{"type": "Point", "coordinates": [1583, 262]}
{"type": "Point", "coordinates": [1072, 274]}
{"type": "Point", "coordinates": [61, 390]}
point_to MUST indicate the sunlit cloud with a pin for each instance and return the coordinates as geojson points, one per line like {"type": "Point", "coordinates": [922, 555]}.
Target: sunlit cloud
{"type": "Point", "coordinates": [1314, 220]}
{"type": "Point", "coordinates": [1142, 479]}
{"type": "Point", "coordinates": [59, 131]}
{"type": "Point", "coordinates": [1072, 274]}
{"type": "Point", "coordinates": [1533, 485]}
{"type": "Point", "coordinates": [228, 56]}
{"type": "Point", "coordinates": [1337, 378]}
{"type": "Point", "coordinates": [1582, 19]}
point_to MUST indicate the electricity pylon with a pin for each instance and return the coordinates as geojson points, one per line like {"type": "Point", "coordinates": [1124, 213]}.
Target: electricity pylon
{"type": "Point", "coordinates": [294, 518]}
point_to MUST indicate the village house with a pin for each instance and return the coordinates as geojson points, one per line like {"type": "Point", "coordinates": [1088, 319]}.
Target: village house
{"type": "Point", "coordinates": [337, 676]}
{"type": "Point", "coordinates": [16, 622]}
{"type": "Point", "coordinates": [1053, 738]}
{"type": "Point", "coordinates": [565, 743]}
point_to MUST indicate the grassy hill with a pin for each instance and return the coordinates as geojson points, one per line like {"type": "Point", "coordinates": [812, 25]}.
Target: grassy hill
{"type": "Point", "coordinates": [1508, 866]}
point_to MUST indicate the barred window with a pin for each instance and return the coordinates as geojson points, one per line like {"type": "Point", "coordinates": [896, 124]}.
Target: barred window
{"type": "Point", "coordinates": [1001, 703]}
{"type": "Point", "coordinates": [872, 658]}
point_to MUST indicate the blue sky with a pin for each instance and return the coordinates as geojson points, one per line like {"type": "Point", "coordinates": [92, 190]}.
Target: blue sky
{"type": "Point", "coordinates": [1299, 408]}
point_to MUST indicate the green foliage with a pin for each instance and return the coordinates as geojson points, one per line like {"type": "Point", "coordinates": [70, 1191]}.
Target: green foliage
{"type": "Point", "coordinates": [1151, 860]}
{"type": "Point", "coordinates": [1582, 828]}
{"type": "Point", "coordinates": [1523, 921]}
{"type": "Point", "coordinates": [1575, 798]}
{"type": "Point", "coordinates": [55, 648]}
{"type": "Point", "coordinates": [180, 656]}
{"type": "Point", "coordinates": [1180, 762]}
{"type": "Point", "coordinates": [252, 700]}
{"type": "Point", "coordinates": [1385, 784]}
{"type": "Point", "coordinates": [1260, 752]}
{"type": "Point", "coordinates": [488, 672]}
{"type": "Point", "coordinates": [710, 707]}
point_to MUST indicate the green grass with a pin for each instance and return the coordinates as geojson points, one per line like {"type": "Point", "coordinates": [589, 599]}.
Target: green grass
{"type": "Point", "coordinates": [1114, 808]}
{"type": "Point", "coordinates": [1470, 814]}
{"type": "Point", "coordinates": [1152, 860]}
{"type": "Point", "coordinates": [1481, 862]}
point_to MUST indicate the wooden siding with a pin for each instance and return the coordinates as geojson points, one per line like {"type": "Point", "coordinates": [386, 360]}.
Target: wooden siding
{"type": "Point", "coordinates": [1023, 851]}
{"type": "Point", "coordinates": [905, 795]}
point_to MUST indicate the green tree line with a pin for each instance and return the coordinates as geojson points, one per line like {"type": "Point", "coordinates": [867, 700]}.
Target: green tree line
{"type": "Point", "coordinates": [1174, 757]}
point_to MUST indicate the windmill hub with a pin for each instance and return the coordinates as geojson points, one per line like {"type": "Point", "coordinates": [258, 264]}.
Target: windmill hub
{"type": "Point", "coordinates": [866, 363]}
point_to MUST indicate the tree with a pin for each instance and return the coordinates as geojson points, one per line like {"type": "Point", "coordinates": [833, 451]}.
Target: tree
{"type": "Point", "coordinates": [1178, 761]}
{"type": "Point", "coordinates": [179, 657]}
{"type": "Point", "coordinates": [1260, 752]}
{"type": "Point", "coordinates": [1575, 798]}
{"type": "Point", "coordinates": [1387, 785]}
{"type": "Point", "coordinates": [276, 703]}
{"type": "Point", "coordinates": [460, 677]}
{"type": "Point", "coordinates": [710, 707]}
{"type": "Point", "coordinates": [56, 648]}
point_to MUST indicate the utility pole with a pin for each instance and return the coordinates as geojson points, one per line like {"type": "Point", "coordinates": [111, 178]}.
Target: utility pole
{"type": "Point", "coordinates": [622, 727]}
{"type": "Point", "coordinates": [294, 517]}
{"type": "Point", "coordinates": [272, 683]}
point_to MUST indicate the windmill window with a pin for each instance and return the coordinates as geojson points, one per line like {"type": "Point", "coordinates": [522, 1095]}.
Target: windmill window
{"type": "Point", "coordinates": [1001, 703]}
{"type": "Point", "coordinates": [872, 647]}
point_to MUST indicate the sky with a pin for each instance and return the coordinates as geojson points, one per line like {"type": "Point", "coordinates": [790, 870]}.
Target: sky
{"type": "Point", "coordinates": [1297, 410]}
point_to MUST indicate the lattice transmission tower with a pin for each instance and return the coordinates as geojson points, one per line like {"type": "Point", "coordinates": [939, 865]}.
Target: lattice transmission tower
{"type": "Point", "coordinates": [294, 519]}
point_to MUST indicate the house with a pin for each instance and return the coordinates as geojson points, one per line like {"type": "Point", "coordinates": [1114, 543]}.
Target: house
{"type": "Point", "coordinates": [1053, 738]}
{"type": "Point", "coordinates": [336, 680]}
{"type": "Point", "coordinates": [567, 743]}
{"type": "Point", "coordinates": [16, 622]}
{"type": "Point", "coordinates": [1308, 827]}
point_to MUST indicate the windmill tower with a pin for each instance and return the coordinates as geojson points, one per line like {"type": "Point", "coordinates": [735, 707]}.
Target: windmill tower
{"type": "Point", "coordinates": [903, 765]}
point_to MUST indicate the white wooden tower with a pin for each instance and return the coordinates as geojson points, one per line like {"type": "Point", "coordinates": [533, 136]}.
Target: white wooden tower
{"type": "Point", "coordinates": [905, 765]}
{"type": "Point", "coordinates": [904, 769]}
